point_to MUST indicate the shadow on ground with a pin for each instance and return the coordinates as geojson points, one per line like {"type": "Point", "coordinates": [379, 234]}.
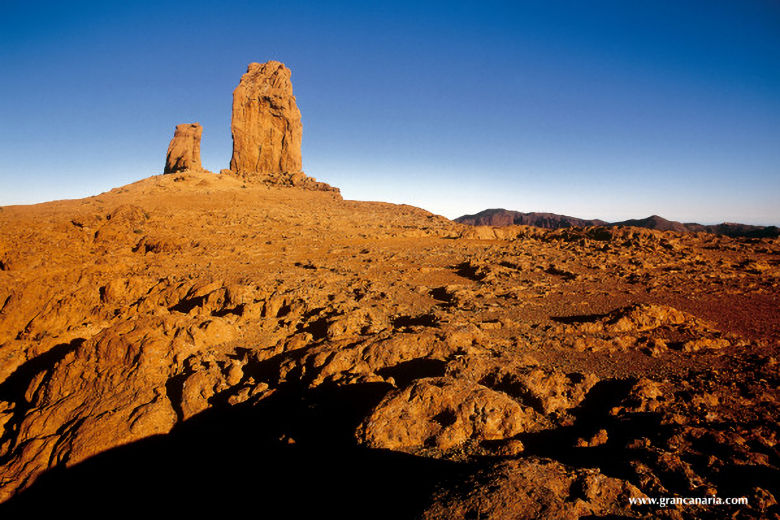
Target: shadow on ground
{"type": "Point", "coordinates": [289, 456]}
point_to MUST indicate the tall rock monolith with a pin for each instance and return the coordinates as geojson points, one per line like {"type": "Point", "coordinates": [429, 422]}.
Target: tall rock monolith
{"type": "Point", "coordinates": [184, 150]}
{"type": "Point", "coordinates": [266, 122]}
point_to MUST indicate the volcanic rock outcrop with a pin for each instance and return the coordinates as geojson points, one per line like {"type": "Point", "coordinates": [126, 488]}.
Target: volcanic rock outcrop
{"type": "Point", "coordinates": [266, 122]}
{"type": "Point", "coordinates": [184, 150]}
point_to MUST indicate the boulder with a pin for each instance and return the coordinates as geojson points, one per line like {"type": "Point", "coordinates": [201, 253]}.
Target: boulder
{"type": "Point", "coordinates": [444, 413]}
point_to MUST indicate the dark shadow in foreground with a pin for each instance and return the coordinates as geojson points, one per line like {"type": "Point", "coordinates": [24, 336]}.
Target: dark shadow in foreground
{"type": "Point", "coordinates": [289, 456]}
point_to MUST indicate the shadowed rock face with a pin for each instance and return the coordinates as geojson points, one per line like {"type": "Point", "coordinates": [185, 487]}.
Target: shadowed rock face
{"type": "Point", "coordinates": [184, 150]}
{"type": "Point", "coordinates": [266, 122]}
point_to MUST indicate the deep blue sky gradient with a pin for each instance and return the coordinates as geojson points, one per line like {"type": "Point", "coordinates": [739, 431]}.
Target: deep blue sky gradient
{"type": "Point", "coordinates": [599, 109]}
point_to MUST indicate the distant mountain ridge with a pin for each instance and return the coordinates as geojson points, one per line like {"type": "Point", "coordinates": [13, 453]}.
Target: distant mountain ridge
{"type": "Point", "coordinates": [504, 217]}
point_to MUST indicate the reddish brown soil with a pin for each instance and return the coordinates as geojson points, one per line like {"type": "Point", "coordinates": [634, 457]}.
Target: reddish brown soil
{"type": "Point", "coordinates": [197, 340]}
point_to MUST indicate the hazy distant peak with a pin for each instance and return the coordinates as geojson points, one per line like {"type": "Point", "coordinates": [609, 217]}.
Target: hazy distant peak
{"type": "Point", "coordinates": [504, 217]}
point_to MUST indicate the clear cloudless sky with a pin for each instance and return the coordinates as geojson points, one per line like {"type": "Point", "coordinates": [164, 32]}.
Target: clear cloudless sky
{"type": "Point", "coordinates": [597, 109]}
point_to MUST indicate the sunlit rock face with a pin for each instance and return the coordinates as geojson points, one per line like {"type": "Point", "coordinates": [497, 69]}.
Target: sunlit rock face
{"type": "Point", "coordinates": [266, 122]}
{"type": "Point", "coordinates": [184, 150]}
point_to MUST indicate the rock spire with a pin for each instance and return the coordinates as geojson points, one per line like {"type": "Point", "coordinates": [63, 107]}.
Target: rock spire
{"type": "Point", "coordinates": [266, 123]}
{"type": "Point", "coordinates": [184, 150]}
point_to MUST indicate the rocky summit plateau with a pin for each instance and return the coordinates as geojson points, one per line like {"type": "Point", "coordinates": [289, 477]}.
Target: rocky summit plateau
{"type": "Point", "coordinates": [250, 341]}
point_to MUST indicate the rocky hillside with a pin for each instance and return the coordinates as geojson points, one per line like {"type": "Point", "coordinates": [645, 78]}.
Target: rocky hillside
{"type": "Point", "coordinates": [214, 336]}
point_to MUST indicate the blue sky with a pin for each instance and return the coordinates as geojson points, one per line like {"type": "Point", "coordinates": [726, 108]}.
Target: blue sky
{"type": "Point", "coordinates": [594, 109]}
